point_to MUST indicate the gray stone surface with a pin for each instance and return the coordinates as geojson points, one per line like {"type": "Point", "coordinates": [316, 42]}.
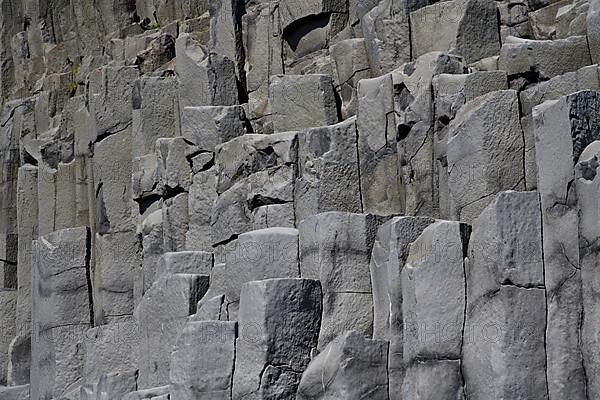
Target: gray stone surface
{"type": "Point", "coordinates": [335, 247]}
{"type": "Point", "coordinates": [193, 137]}
{"type": "Point", "coordinates": [504, 334]}
{"type": "Point", "coordinates": [564, 126]}
{"type": "Point", "coordinates": [202, 362]}
{"type": "Point", "coordinates": [545, 58]}
{"type": "Point", "coordinates": [484, 153]}
{"type": "Point", "coordinates": [61, 311]}
{"type": "Point", "coordinates": [270, 360]}
{"type": "Point", "coordinates": [300, 102]}
{"type": "Point", "coordinates": [388, 258]}
{"type": "Point", "coordinates": [160, 317]}
{"type": "Point", "coordinates": [350, 367]}
{"type": "Point", "coordinates": [433, 308]}
{"type": "Point", "coordinates": [263, 254]}
{"type": "Point", "coordinates": [210, 126]}
{"type": "Point", "coordinates": [328, 171]}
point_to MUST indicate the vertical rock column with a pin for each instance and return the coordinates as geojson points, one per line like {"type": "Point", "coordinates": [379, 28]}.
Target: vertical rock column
{"type": "Point", "coordinates": [279, 325]}
{"type": "Point", "coordinates": [27, 223]}
{"type": "Point", "coordinates": [433, 307]}
{"type": "Point", "coordinates": [335, 247]}
{"type": "Point", "coordinates": [388, 258]}
{"type": "Point", "coordinates": [62, 311]}
{"type": "Point", "coordinates": [588, 187]}
{"type": "Point", "coordinates": [563, 128]}
{"type": "Point", "coordinates": [504, 353]}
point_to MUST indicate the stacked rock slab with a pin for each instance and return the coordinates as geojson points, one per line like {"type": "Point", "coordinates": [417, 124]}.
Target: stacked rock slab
{"type": "Point", "coordinates": [563, 129]}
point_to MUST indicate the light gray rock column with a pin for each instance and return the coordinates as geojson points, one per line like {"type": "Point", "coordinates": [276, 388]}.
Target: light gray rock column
{"type": "Point", "coordinates": [61, 312]}
{"type": "Point", "coordinates": [160, 318]}
{"type": "Point", "coordinates": [485, 153]}
{"type": "Point", "coordinates": [202, 361]}
{"type": "Point", "coordinates": [504, 353]}
{"type": "Point", "coordinates": [433, 309]}
{"type": "Point", "coordinates": [563, 128]}
{"type": "Point", "coordinates": [328, 171]}
{"type": "Point", "coordinates": [588, 187]}
{"type": "Point", "coordinates": [335, 247]}
{"type": "Point", "coordinates": [388, 258]}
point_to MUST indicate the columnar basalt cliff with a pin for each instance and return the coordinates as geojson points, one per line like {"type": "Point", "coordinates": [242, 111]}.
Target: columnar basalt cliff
{"type": "Point", "coordinates": [299, 199]}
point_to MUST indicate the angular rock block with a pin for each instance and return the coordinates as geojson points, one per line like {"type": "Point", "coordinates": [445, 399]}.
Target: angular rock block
{"type": "Point", "coordinates": [478, 34]}
{"type": "Point", "coordinates": [209, 126]}
{"type": "Point", "coordinates": [388, 258]}
{"type": "Point", "coordinates": [328, 172]}
{"type": "Point", "coordinates": [61, 312]}
{"type": "Point", "coordinates": [445, 373]}
{"type": "Point", "coordinates": [351, 65]}
{"type": "Point", "coordinates": [302, 101]}
{"type": "Point", "coordinates": [20, 392]}
{"type": "Point", "coordinates": [202, 196]}
{"type": "Point", "coordinates": [262, 44]}
{"type": "Point", "coordinates": [109, 348]}
{"type": "Point", "coordinates": [563, 128]}
{"type": "Point", "coordinates": [186, 262]}
{"type": "Point", "coordinates": [160, 318]}
{"type": "Point", "coordinates": [19, 360]}
{"type": "Point", "coordinates": [110, 100]}
{"type": "Point", "coordinates": [252, 171]}
{"type": "Point", "coordinates": [335, 247]}
{"type": "Point", "coordinates": [153, 247]}
{"type": "Point", "coordinates": [506, 301]}
{"type": "Point", "coordinates": [379, 176]}
{"type": "Point", "coordinates": [413, 97]}
{"type": "Point", "coordinates": [269, 360]}
{"type": "Point", "coordinates": [263, 254]}
{"type": "Point", "coordinates": [350, 367]}
{"type": "Point", "coordinates": [435, 27]}
{"type": "Point", "coordinates": [112, 183]}
{"type": "Point", "coordinates": [27, 223]}
{"type": "Point", "coordinates": [386, 30]}
{"type": "Point", "coordinates": [210, 309]}
{"type": "Point", "coordinates": [273, 215]}
{"type": "Point", "coordinates": [117, 262]}
{"type": "Point", "coordinates": [587, 186]}
{"type": "Point", "coordinates": [155, 112]}
{"type": "Point", "coordinates": [226, 29]}
{"type": "Point", "coordinates": [202, 361]}
{"type": "Point", "coordinates": [144, 179]}
{"type": "Point", "coordinates": [561, 85]}
{"type": "Point", "coordinates": [116, 384]}
{"type": "Point", "coordinates": [175, 220]}
{"type": "Point", "coordinates": [433, 307]}
{"type": "Point", "coordinates": [57, 209]}
{"type": "Point", "coordinates": [546, 58]}
{"type": "Point", "coordinates": [593, 30]}
{"type": "Point", "coordinates": [155, 393]}
{"type": "Point", "coordinates": [485, 153]}
{"type": "Point", "coordinates": [8, 311]}
{"type": "Point", "coordinates": [205, 79]}
{"type": "Point", "coordinates": [174, 170]}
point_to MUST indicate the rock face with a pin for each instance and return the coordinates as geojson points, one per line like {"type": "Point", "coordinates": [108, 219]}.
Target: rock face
{"type": "Point", "coordinates": [236, 200]}
{"type": "Point", "coordinates": [572, 121]}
